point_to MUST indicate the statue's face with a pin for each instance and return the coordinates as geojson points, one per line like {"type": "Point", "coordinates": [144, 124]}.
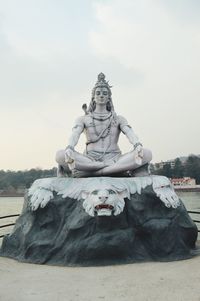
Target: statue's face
{"type": "Point", "coordinates": [101, 96]}
{"type": "Point", "coordinates": [103, 202]}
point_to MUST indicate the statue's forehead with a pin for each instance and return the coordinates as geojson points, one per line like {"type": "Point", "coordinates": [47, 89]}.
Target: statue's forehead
{"type": "Point", "coordinates": [101, 88]}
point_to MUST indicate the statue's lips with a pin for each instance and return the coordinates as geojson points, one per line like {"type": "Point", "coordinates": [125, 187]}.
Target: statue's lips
{"type": "Point", "coordinates": [104, 206]}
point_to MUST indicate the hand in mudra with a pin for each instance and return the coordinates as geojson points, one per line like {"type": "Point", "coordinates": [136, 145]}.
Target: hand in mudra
{"type": "Point", "coordinates": [138, 154]}
{"type": "Point", "coordinates": [69, 155]}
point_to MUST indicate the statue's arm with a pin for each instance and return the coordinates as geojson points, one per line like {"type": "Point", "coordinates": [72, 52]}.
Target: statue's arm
{"type": "Point", "coordinates": [76, 132]}
{"type": "Point", "coordinates": [133, 139]}
{"type": "Point", "coordinates": [128, 131]}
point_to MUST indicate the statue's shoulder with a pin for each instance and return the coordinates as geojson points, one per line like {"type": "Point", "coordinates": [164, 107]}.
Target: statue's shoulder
{"type": "Point", "coordinates": [79, 119]}
{"type": "Point", "coordinates": [121, 120]}
{"type": "Point", "coordinates": [82, 120]}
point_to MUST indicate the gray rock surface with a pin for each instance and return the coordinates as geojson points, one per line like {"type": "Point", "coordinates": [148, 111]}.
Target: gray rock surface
{"type": "Point", "coordinates": [62, 233]}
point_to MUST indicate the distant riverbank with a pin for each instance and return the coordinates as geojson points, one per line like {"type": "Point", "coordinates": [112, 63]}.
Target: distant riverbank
{"type": "Point", "coordinates": [12, 193]}
{"type": "Point", "coordinates": [195, 188]}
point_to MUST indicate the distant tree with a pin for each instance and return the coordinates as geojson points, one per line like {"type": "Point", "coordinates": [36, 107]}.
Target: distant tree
{"type": "Point", "coordinates": [15, 179]}
{"type": "Point", "coordinates": [192, 168]}
{"type": "Point", "coordinates": [152, 168]}
{"type": "Point", "coordinates": [167, 170]}
{"type": "Point", "coordinates": [178, 170]}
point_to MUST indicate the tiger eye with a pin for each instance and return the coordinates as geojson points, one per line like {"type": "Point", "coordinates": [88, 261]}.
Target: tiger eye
{"type": "Point", "coordinates": [95, 192]}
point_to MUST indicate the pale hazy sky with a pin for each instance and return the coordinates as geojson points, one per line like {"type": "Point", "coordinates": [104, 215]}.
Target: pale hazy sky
{"type": "Point", "coordinates": [52, 50]}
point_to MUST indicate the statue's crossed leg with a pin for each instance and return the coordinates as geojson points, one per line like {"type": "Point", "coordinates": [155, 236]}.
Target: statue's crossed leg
{"type": "Point", "coordinates": [90, 167]}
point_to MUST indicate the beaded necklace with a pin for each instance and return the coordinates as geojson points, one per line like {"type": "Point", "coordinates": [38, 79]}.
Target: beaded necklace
{"type": "Point", "coordinates": [101, 117]}
{"type": "Point", "coordinates": [106, 131]}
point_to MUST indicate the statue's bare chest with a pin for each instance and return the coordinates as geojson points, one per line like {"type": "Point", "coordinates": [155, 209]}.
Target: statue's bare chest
{"type": "Point", "coordinates": [95, 127]}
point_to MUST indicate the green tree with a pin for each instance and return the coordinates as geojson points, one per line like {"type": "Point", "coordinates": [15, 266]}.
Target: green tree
{"type": "Point", "coordinates": [16, 179]}
{"type": "Point", "coordinates": [178, 171]}
{"type": "Point", "coordinates": [167, 170]}
{"type": "Point", "coordinates": [192, 168]}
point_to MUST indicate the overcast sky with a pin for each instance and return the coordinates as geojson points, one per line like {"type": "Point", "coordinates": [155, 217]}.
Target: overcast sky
{"type": "Point", "coordinates": [52, 50]}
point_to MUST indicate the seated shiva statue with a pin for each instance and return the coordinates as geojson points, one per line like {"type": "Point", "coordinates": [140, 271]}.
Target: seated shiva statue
{"type": "Point", "coordinates": [102, 127]}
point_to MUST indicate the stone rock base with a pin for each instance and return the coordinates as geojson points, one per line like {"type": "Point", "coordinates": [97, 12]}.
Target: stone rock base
{"type": "Point", "coordinates": [63, 233]}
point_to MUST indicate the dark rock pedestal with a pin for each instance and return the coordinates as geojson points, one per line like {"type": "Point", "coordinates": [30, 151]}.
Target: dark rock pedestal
{"type": "Point", "coordinates": [62, 233]}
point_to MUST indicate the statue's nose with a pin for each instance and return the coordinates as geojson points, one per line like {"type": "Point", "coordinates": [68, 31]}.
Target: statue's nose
{"type": "Point", "coordinates": [103, 198]}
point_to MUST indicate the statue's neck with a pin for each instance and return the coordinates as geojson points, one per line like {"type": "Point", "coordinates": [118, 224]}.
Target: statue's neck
{"type": "Point", "coordinates": [101, 109]}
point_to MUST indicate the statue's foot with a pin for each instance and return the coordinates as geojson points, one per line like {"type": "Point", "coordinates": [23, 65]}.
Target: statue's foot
{"type": "Point", "coordinates": [141, 171]}
{"type": "Point", "coordinates": [62, 172]}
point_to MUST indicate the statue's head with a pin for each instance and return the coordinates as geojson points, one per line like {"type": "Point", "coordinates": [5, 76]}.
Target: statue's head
{"type": "Point", "coordinates": [101, 93]}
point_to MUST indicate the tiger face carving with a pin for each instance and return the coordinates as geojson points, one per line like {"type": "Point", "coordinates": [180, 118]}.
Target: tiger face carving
{"type": "Point", "coordinates": [103, 202]}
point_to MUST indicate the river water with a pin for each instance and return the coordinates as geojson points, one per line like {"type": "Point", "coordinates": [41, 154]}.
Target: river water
{"type": "Point", "coordinates": [13, 205]}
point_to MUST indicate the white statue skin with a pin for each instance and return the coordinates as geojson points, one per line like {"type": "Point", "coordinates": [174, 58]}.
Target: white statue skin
{"type": "Point", "coordinates": [102, 129]}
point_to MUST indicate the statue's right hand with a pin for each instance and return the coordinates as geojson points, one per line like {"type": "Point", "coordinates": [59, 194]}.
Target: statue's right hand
{"type": "Point", "coordinates": [69, 154]}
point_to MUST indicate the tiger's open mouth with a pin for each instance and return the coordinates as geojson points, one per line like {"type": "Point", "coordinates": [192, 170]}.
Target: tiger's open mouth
{"type": "Point", "coordinates": [104, 206]}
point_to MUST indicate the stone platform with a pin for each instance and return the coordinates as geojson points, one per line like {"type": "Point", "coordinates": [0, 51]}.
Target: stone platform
{"type": "Point", "coordinates": [100, 221]}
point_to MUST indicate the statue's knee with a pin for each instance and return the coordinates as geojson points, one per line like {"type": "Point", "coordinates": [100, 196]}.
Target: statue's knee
{"type": "Point", "coordinates": [60, 157]}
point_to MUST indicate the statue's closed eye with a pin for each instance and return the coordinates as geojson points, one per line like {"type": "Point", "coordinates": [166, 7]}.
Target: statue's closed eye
{"type": "Point", "coordinates": [111, 191]}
